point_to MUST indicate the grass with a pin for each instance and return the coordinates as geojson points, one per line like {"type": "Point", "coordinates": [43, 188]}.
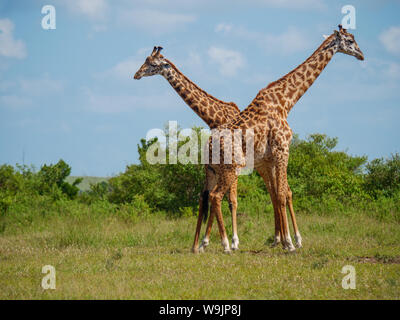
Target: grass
{"type": "Point", "coordinates": [99, 253]}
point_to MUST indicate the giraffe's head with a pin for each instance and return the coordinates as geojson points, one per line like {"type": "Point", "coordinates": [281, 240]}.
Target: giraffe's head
{"type": "Point", "coordinates": [154, 64]}
{"type": "Point", "coordinates": [346, 44]}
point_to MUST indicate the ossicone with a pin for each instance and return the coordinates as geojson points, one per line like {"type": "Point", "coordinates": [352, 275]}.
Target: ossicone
{"type": "Point", "coordinates": [341, 28]}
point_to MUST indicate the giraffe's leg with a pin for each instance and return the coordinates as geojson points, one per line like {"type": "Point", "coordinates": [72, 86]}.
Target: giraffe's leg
{"type": "Point", "coordinates": [211, 181]}
{"type": "Point", "coordinates": [232, 198]}
{"type": "Point", "coordinates": [206, 240]}
{"type": "Point", "coordinates": [195, 246]}
{"type": "Point", "coordinates": [281, 197]}
{"type": "Point", "coordinates": [268, 176]}
{"type": "Point", "coordinates": [226, 178]}
{"type": "Point", "coordinates": [202, 206]}
{"type": "Point", "coordinates": [274, 194]}
{"type": "Point", "coordinates": [297, 236]}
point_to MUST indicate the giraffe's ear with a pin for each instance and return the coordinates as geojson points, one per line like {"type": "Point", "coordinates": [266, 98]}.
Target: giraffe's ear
{"type": "Point", "coordinates": [325, 36]}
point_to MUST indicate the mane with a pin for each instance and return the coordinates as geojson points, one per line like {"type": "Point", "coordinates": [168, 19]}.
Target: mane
{"type": "Point", "coordinates": [312, 56]}
{"type": "Point", "coordinates": [200, 89]}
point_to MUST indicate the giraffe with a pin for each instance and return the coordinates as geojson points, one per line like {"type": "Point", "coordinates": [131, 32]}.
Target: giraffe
{"type": "Point", "coordinates": [267, 117]}
{"type": "Point", "coordinates": [214, 113]}
{"type": "Point", "coordinates": [211, 110]}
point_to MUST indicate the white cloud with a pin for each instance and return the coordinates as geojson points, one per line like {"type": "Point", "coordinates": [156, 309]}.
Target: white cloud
{"type": "Point", "coordinates": [288, 42]}
{"type": "Point", "coordinates": [124, 103]}
{"type": "Point", "coordinates": [93, 9]}
{"type": "Point", "coordinates": [154, 21]}
{"type": "Point", "coordinates": [229, 61]}
{"type": "Point", "coordinates": [391, 39]}
{"type": "Point", "coordinates": [211, 4]}
{"type": "Point", "coordinates": [42, 86]}
{"type": "Point", "coordinates": [9, 47]}
{"type": "Point", "coordinates": [223, 27]}
{"type": "Point", "coordinates": [26, 92]}
{"type": "Point", "coordinates": [15, 101]}
{"type": "Point", "coordinates": [123, 70]}
{"type": "Point", "coordinates": [393, 70]}
{"type": "Point", "coordinates": [290, 4]}
{"type": "Point", "coordinates": [382, 70]}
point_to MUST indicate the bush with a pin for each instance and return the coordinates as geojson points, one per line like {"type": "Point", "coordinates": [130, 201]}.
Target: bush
{"type": "Point", "coordinates": [383, 177]}
{"type": "Point", "coordinates": [168, 187]}
{"type": "Point", "coordinates": [52, 180]}
{"type": "Point", "coordinates": [322, 180]}
{"type": "Point", "coordinates": [316, 170]}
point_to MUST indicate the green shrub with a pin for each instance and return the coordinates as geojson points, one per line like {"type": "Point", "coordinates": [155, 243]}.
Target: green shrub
{"type": "Point", "coordinates": [323, 180]}
{"type": "Point", "coordinates": [316, 170]}
{"type": "Point", "coordinates": [52, 180]}
{"type": "Point", "coordinates": [383, 176]}
{"type": "Point", "coordinates": [168, 187]}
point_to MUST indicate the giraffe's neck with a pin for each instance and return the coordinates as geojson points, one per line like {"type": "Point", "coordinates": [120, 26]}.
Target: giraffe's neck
{"type": "Point", "coordinates": [213, 111]}
{"type": "Point", "coordinates": [286, 91]}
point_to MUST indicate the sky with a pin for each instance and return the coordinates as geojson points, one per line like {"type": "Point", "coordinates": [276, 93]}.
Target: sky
{"type": "Point", "coordinates": [68, 93]}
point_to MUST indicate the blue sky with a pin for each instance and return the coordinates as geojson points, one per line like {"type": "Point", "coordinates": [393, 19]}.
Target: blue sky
{"type": "Point", "coordinates": [68, 93]}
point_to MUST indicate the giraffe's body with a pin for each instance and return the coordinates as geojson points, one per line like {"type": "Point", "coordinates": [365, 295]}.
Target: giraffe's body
{"type": "Point", "coordinates": [266, 116]}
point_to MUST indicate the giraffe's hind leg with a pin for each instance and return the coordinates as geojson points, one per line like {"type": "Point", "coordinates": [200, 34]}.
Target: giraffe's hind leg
{"type": "Point", "coordinates": [280, 204]}
{"type": "Point", "coordinates": [268, 177]}
{"type": "Point", "coordinates": [232, 199]}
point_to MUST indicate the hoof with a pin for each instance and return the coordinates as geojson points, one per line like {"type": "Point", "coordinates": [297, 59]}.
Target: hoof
{"type": "Point", "coordinates": [298, 241]}
{"type": "Point", "coordinates": [235, 244]}
{"type": "Point", "coordinates": [195, 250]}
{"type": "Point", "coordinates": [227, 251]}
{"type": "Point", "coordinates": [299, 245]}
{"type": "Point", "coordinates": [275, 244]}
{"type": "Point", "coordinates": [289, 248]}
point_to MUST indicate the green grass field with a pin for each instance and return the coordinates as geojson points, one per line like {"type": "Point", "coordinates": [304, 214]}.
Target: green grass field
{"type": "Point", "coordinates": [98, 254]}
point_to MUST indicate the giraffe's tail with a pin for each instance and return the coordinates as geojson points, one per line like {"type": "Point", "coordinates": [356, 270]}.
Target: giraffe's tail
{"type": "Point", "coordinates": [205, 205]}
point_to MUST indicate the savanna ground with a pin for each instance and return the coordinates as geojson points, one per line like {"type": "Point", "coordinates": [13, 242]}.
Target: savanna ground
{"type": "Point", "coordinates": [101, 255]}
{"type": "Point", "coordinates": [130, 236]}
